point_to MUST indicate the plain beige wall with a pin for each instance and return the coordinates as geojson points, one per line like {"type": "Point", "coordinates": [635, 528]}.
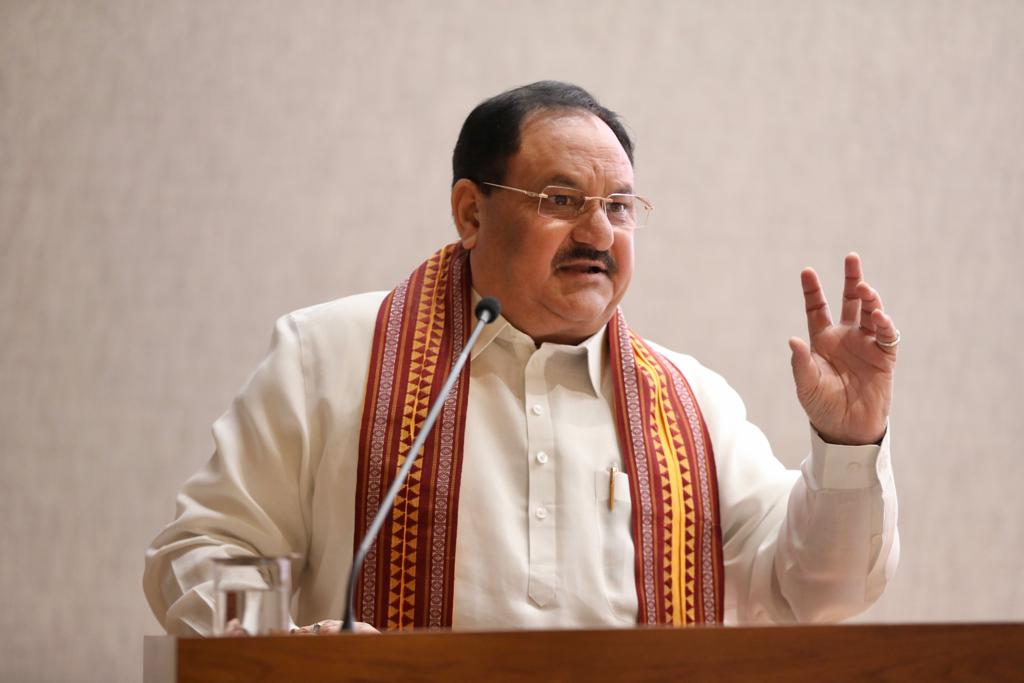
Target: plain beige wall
{"type": "Point", "coordinates": [175, 175]}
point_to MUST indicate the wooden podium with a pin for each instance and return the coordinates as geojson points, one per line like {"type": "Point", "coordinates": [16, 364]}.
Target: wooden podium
{"type": "Point", "coordinates": [891, 653]}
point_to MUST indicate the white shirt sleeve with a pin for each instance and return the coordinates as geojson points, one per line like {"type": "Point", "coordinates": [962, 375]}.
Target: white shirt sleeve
{"type": "Point", "coordinates": [246, 500]}
{"type": "Point", "coordinates": [839, 545]}
{"type": "Point", "coordinates": [816, 545]}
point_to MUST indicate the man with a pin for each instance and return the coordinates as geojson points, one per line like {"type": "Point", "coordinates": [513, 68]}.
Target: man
{"type": "Point", "coordinates": [579, 475]}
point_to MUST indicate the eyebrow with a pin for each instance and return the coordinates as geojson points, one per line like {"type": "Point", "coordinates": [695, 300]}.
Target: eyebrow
{"type": "Point", "coordinates": [566, 181]}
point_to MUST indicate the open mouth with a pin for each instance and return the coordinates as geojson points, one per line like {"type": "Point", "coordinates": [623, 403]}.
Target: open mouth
{"type": "Point", "coordinates": [584, 269]}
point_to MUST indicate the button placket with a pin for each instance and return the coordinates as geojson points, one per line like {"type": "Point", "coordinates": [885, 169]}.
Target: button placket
{"type": "Point", "coordinates": [541, 511]}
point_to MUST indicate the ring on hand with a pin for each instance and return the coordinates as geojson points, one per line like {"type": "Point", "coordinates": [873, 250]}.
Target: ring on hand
{"type": "Point", "coordinates": [889, 344]}
{"type": "Point", "coordinates": [316, 628]}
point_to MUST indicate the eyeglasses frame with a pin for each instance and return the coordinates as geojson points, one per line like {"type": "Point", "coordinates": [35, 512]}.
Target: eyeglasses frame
{"type": "Point", "coordinates": [604, 200]}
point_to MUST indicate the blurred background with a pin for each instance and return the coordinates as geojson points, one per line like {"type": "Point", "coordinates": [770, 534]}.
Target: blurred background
{"type": "Point", "coordinates": [176, 175]}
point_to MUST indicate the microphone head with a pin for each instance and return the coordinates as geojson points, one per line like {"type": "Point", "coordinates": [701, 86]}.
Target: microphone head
{"type": "Point", "coordinates": [488, 307]}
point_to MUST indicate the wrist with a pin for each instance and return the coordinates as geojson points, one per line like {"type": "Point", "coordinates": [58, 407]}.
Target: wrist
{"type": "Point", "coordinates": [838, 439]}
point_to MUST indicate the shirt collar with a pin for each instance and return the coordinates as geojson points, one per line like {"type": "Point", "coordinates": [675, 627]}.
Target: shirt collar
{"type": "Point", "coordinates": [596, 355]}
{"type": "Point", "coordinates": [593, 346]}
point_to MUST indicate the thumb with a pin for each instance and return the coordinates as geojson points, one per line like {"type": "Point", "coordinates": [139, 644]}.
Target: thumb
{"type": "Point", "coordinates": [805, 372]}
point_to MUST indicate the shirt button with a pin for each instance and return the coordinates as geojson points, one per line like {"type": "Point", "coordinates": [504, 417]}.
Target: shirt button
{"type": "Point", "coordinates": [542, 512]}
{"type": "Point", "coordinates": [537, 409]}
{"type": "Point", "coordinates": [542, 458]}
{"type": "Point", "coordinates": [853, 467]}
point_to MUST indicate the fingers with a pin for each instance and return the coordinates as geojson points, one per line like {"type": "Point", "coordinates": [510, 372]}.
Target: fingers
{"type": "Point", "coordinates": [870, 302]}
{"type": "Point", "coordinates": [320, 628]}
{"type": "Point", "coordinates": [851, 297]}
{"type": "Point", "coordinates": [328, 627]}
{"type": "Point", "coordinates": [885, 330]}
{"type": "Point", "coordinates": [234, 628]}
{"type": "Point", "coordinates": [860, 299]}
{"type": "Point", "coordinates": [818, 316]}
{"type": "Point", "coordinates": [805, 372]}
{"type": "Point", "coordinates": [872, 311]}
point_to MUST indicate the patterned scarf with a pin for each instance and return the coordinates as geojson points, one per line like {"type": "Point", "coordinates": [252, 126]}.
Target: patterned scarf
{"type": "Point", "coordinates": [408, 579]}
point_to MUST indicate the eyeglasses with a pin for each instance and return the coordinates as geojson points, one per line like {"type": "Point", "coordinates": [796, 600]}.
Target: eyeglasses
{"type": "Point", "coordinates": [627, 211]}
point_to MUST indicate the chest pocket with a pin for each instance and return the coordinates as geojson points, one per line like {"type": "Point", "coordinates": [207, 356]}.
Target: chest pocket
{"type": "Point", "coordinates": [614, 509]}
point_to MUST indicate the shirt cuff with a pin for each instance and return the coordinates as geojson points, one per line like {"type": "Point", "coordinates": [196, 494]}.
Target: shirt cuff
{"type": "Point", "coordinates": [831, 466]}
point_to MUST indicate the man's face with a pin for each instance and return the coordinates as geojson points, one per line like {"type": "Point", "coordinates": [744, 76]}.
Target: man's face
{"type": "Point", "coordinates": [557, 280]}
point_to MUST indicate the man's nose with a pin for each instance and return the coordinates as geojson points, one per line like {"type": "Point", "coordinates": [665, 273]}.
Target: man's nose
{"type": "Point", "coordinates": [593, 227]}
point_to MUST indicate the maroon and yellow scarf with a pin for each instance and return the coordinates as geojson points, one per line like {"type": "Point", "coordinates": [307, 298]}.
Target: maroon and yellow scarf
{"type": "Point", "coordinates": [408, 579]}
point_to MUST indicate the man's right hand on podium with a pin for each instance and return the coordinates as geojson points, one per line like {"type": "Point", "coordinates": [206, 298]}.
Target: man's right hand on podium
{"type": "Point", "coordinates": [321, 628]}
{"type": "Point", "coordinates": [331, 627]}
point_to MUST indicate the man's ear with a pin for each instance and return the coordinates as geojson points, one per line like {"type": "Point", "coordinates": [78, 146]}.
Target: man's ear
{"type": "Point", "coordinates": [466, 211]}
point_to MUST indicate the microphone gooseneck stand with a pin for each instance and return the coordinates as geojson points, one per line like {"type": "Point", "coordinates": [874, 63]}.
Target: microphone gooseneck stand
{"type": "Point", "coordinates": [486, 311]}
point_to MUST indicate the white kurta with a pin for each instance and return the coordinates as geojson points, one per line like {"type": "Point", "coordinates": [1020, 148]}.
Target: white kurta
{"type": "Point", "coordinates": [537, 545]}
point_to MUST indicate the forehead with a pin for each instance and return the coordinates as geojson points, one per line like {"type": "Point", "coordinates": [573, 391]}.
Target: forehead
{"type": "Point", "coordinates": [569, 147]}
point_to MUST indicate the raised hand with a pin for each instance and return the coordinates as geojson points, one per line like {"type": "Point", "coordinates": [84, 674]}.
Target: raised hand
{"type": "Point", "coordinates": [844, 377]}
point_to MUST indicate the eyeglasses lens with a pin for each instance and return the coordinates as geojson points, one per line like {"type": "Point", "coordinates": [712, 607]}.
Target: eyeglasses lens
{"type": "Point", "coordinates": [564, 203]}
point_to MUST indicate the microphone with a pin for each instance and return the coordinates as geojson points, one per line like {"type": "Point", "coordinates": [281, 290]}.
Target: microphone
{"type": "Point", "coordinates": [486, 311]}
{"type": "Point", "coordinates": [489, 307]}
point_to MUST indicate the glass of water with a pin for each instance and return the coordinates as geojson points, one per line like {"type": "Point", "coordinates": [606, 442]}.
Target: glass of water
{"type": "Point", "coordinates": [251, 594]}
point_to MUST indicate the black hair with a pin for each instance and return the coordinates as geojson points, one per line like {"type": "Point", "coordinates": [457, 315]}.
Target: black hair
{"type": "Point", "coordinates": [491, 132]}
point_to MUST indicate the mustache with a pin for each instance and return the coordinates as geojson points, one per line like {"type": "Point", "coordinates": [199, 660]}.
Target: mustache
{"type": "Point", "coordinates": [580, 252]}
